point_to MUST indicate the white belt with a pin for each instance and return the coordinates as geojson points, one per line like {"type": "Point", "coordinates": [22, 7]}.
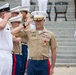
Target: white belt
{"type": "Point", "coordinates": [24, 43]}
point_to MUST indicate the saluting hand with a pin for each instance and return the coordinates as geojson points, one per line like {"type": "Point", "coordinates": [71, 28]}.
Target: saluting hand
{"type": "Point", "coordinates": [28, 22]}
{"type": "Point", "coordinates": [7, 15]}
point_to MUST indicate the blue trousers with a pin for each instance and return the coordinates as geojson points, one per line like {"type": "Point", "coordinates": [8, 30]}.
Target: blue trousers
{"type": "Point", "coordinates": [17, 64]}
{"type": "Point", "coordinates": [38, 67]}
{"type": "Point", "coordinates": [24, 58]}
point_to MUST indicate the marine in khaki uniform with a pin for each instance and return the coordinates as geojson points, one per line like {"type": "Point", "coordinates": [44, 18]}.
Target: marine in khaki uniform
{"type": "Point", "coordinates": [40, 41]}
{"type": "Point", "coordinates": [16, 17]}
{"type": "Point", "coordinates": [15, 21]}
{"type": "Point", "coordinates": [17, 48]}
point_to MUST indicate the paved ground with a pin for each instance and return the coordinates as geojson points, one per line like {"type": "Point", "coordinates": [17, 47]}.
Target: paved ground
{"type": "Point", "coordinates": [64, 71]}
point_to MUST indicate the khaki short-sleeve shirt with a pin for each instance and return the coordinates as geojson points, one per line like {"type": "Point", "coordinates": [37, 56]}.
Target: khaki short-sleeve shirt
{"type": "Point", "coordinates": [17, 49]}
{"type": "Point", "coordinates": [39, 44]}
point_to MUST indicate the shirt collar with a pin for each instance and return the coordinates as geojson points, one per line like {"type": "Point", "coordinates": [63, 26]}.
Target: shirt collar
{"type": "Point", "coordinates": [43, 31]}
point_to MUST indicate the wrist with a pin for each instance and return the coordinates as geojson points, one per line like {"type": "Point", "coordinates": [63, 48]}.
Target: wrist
{"type": "Point", "coordinates": [24, 25]}
{"type": "Point", "coordinates": [6, 19]}
{"type": "Point", "coordinates": [52, 66]}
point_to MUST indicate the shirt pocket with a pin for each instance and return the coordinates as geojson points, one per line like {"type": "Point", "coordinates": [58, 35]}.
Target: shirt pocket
{"type": "Point", "coordinates": [33, 41]}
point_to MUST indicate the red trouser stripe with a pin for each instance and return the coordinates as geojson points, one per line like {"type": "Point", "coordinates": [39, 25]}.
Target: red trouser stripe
{"type": "Point", "coordinates": [26, 64]}
{"type": "Point", "coordinates": [49, 67]}
{"type": "Point", "coordinates": [14, 65]}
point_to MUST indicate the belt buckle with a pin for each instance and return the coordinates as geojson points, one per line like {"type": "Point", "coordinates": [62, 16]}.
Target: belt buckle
{"type": "Point", "coordinates": [38, 58]}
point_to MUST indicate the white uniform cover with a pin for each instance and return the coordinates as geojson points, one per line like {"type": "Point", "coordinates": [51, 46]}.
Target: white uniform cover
{"type": "Point", "coordinates": [6, 47]}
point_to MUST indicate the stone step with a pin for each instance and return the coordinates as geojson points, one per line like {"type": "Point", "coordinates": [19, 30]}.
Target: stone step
{"type": "Point", "coordinates": [68, 48]}
{"type": "Point", "coordinates": [66, 61]}
{"type": "Point", "coordinates": [68, 16]}
{"type": "Point", "coordinates": [69, 4]}
{"type": "Point", "coordinates": [67, 44]}
{"type": "Point", "coordinates": [65, 65]}
{"type": "Point", "coordinates": [65, 51]}
{"type": "Point", "coordinates": [62, 19]}
{"type": "Point", "coordinates": [68, 39]}
{"type": "Point", "coordinates": [66, 54]}
{"type": "Point", "coordinates": [65, 37]}
{"type": "Point", "coordinates": [66, 22]}
{"type": "Point", "coordinates": [63, 48]}
{"type": "Point", "coordinates": [70, 7]}
{"type": "Point", "coordinates": [62, 29]}
{"type": "Point", "coordinates": [66, 57]}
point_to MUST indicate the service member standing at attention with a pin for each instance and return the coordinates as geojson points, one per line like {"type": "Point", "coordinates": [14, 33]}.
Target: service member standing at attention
{"type": "Point", "coordinates": [6, 43]}
{"type": "Point", "coordinates": [17, 51]}
{"type": "Point", "coordinates": [40, 41]}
